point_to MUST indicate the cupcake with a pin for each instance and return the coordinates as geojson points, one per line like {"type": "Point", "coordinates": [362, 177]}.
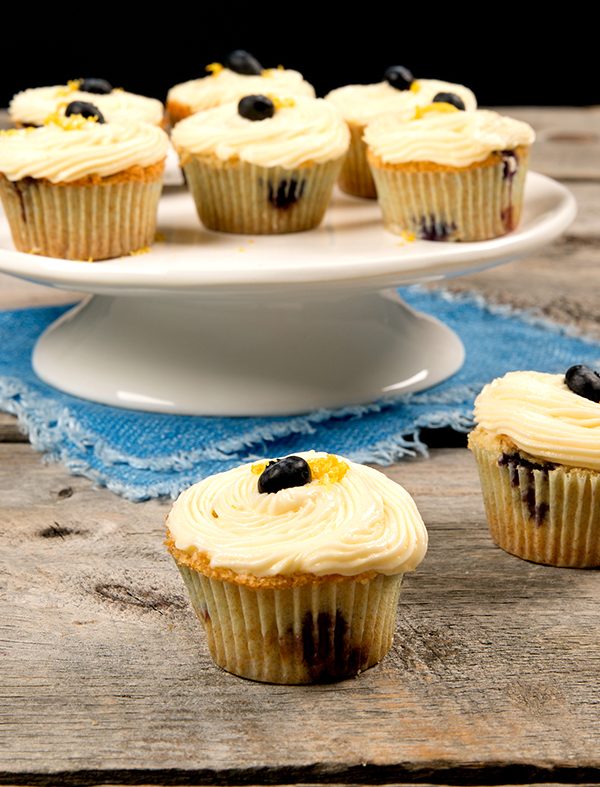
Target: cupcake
{"type": "Point", "coordinates": [31, 107]}
{"type": "Point", "coordinates": [80, 188]}
{"type": "Point", "coordinates": [361, 104]}
{"type": "Point", "coordinates": [448, 174]}
{"type": "Point", "coordinates": [294, 565]}
{"type": "Point", "coordinates": [537, 446]}
{"type": "Point", "coordinates": [241, 75]}
{"type": "Point", "coordinates": [263, 166]}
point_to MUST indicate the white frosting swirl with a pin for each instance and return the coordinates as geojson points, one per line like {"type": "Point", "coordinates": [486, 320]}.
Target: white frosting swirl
{"type": "Point", "coordinates": [32, 107]}
{"type": "Point", "coordinates": [60, 155]}
{"type": "Point", "coordinates": [360, 104]}
{"type": "Point", "coordinates": [454, 139]}
{"type": "Point", "coordinates": [543, 417]}
{"type": "Point", "coordinates": [226, 86]}
{"type": "Point", "coordinates": [364, 522]}
{"type": "Point", "coordinates": [309, 131]}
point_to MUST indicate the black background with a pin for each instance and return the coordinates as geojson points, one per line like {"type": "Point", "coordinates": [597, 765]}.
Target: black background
{"type": "Point", "coordinates": [502, 58]}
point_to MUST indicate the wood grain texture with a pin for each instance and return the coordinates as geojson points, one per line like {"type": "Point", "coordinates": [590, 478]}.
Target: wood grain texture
{"type": "Point", "coordinates": [10, 431]}
{"type": "Point", "coordinates": [104, 668]}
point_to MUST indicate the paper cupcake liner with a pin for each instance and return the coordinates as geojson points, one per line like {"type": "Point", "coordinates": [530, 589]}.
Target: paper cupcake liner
{"type": "Point", "coordinates": [478, 202]}
{"type": "Point", "coordinates": [81, 222]}
{"type": "Point", "coordinates": [355, 176]}
{"type": "Point", "coordinates": [234, 196]}
{"type": "Point", "coordinates": [548, 515]}
{"type": "Point", "coordinates": [302, 634]}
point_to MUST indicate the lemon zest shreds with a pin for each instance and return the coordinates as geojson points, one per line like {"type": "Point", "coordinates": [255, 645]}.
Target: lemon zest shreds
{"type": "Point", "coordinates": [327, 469]}
{"type": "Point", "coordinates": [438, 106]}
{"type": "Point", "coordinates": [270, 72]}
{"type": "Point", "coordinates": [214, 68]}
{"type": "Point", "coordinates": [415, 86]}
{"type": "Point", "coordinates": [71, 123]}
{"type": "Point", "coordinates": [408, 236]}
{"type": "Point", "coordinates": [12, 132]}
{"type": "Point", "coordinates": [71, 86]}
{"type": "Point", "coordinates": [281, 103]}
{"type": "Point", "coordinates": [136, 252]}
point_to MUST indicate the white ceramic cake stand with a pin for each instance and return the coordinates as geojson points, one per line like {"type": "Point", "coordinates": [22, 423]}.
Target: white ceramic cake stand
{"type": "Point", "coordinates": [216, 324]}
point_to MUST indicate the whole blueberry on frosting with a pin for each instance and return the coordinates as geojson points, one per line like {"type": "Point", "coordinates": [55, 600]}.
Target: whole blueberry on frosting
{"type": "Point", "coordinates": [449, 98]}
{"type": "Point", "coordinates": [243, 62]}
{"type": "Point", "coordinates": [284, 474]}
{"type": "Point", "coordinates": [85, 109]}
{"type": "Point", "coordinates": [584, 381]}
{"type": "Point", "coordinates": [92, 85]}
{"type": "Point", "coordinates": [256, 107]}
{"type": "Point", "coordinates": [399, 77]}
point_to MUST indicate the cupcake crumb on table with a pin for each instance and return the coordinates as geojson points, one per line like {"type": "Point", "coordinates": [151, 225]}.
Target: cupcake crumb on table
{"type": "Point", "coordinates": [537, 446]}
{"type": "Point", "coordinates": [264, 165]}
{"type": "Point", "coordinates": [80, 188]}
{"type": "Point", "coordinates": [446, 174]}
{"type": "Point", "coordinates": [240, 75]}
{"type": "Point", "coordinates": [359, 105]}
{"type": "Point", "coordinates": [294, 565]}
{"type": "Point", "coordinates": [31, 107]}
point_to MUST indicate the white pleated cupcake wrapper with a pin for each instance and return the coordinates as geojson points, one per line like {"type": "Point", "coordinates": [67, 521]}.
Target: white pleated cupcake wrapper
{"type": "Point", "coordinates": [474, 204]}
{"type": "Point", "coordinates": [305, 634]}
{"type": "Point", "coordinates": [355, 177]}
{"type": "Point", "coordinates": [550, 517]}
{"type": "Point", "coordinates": [245, 198]}
{"type": "Point", "coordinates": [97, 221]}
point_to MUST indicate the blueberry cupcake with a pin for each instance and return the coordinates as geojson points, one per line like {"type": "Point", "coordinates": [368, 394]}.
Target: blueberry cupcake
{"type": "Point", "coordinates": [447, 174]}
{"type": "Point", "coordinates": [294, 565]}
{"type": "Point", "coordinates": [240, 75]}
{"type": "Point", "coordinates": [361, 104]}
{"type": "Point", "coordinates": [537, 446]}
{"type": "Point", "coordinates": [80, 188]}
{"type": "Point", "coordinates": [31, 107]}
{"type": "Point", "coordinates": [265, 165]}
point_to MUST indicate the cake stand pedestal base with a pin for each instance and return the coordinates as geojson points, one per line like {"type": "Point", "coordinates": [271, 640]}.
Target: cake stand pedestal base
{"type": "Point", "coordinates": [235, 356]}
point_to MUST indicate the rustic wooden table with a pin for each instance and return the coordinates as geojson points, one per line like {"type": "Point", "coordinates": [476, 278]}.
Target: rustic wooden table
{"type": "Point", "coordinates": [493, 679]}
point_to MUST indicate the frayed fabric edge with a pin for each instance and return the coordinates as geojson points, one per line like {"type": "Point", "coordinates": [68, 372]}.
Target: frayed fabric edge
{"type": "Point", "coordinates": [48, 423]}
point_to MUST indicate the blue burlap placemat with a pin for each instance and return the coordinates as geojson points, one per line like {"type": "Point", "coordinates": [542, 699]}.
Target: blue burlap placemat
{"type": "Point", "coordinates": [143, 455]}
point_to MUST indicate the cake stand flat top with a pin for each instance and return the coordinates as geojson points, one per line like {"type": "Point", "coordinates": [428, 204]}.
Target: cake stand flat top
{"type": "Point", "coordinates": [350, 247]}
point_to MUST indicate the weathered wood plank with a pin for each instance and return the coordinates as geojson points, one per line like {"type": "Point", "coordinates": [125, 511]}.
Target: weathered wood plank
{"type": "Point", "coordinates": [9, 430]}
{"type": "Point", "coordinates": [494, 667]}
